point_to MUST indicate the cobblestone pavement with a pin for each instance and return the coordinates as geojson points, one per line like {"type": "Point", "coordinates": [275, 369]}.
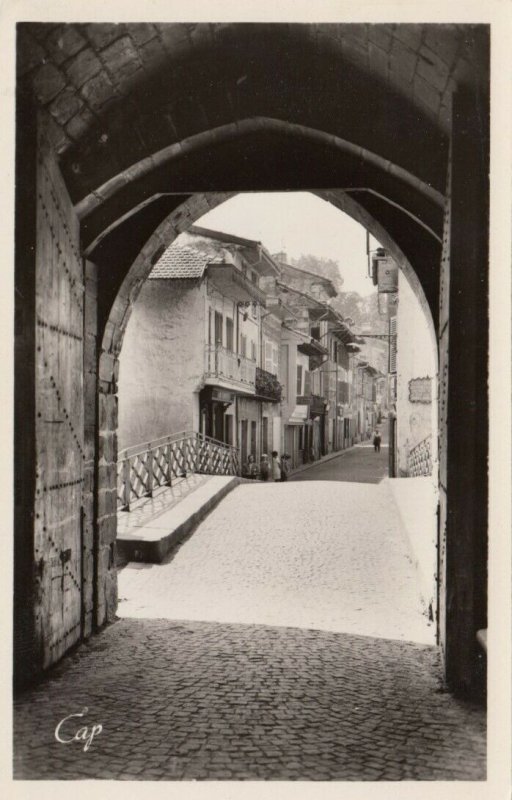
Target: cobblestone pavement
{"type": "Point", "coordinates": [283, 641]}
{"type": "Point", "coordinates": [315, 554]}
{"type": "Point", "coordinates": [198, 700]}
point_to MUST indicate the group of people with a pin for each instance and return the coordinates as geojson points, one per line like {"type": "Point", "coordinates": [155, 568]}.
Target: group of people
{"type": "Point", "coordinates": [275, 470]}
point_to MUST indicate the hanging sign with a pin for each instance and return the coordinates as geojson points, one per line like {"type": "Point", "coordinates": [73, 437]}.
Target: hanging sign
{"type": "Point", "coordinates": [387, 276]}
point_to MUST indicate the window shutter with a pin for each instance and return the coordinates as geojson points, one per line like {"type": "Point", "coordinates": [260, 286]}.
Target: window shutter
{"type": "Point", "coordinates": [392, 345]}
{"type": "Point", "coordinates": [307, 383]}
{"type": "Point", "coordinates": [299, 379]}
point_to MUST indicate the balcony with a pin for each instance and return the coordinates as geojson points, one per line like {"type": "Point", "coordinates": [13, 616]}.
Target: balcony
{"type": "Point", "coordinates": [230, 370]}
{"type": "Point", "coordinates": [267, 386]}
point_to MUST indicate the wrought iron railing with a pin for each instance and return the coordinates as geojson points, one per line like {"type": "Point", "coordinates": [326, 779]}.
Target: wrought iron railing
{"type": "Point", "coordinates": [143, 468]}
{"type": "Point", "coordinates": [223, 363]}
{"type": "Point", "coordinates": [419, 459]}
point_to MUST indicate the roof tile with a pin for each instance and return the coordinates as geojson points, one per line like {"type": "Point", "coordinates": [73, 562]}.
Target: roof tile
{"type": "Point", "coordinates": [180, 261]}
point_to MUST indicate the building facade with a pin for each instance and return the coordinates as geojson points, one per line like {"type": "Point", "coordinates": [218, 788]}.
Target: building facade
{"type": "Point", "coordinates": [196, 338]}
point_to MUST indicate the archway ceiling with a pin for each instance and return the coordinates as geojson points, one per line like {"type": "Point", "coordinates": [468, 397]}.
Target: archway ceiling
{"type": "Point", "coordinates": [261, 161]}
{"type": "Point", "coordinates": [116, 252]}
{"type": "Point", "coordinates": [116, 94]}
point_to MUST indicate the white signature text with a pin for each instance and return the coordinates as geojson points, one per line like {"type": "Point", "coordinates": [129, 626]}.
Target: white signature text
{"type": "Point", "coordinates": [66, 732]}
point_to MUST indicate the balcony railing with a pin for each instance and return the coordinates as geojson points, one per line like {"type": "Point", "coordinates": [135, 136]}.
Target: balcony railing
{"type": "Point", "coordinates": [223, 364]}
{"type": "Point", "coordinates": [144, 468]}
{"type": "Point", "coordinates": [419, 459]}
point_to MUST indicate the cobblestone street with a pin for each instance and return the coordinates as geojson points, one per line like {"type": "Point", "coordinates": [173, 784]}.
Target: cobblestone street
{"type": "Point", "coordinates": [283, 641]}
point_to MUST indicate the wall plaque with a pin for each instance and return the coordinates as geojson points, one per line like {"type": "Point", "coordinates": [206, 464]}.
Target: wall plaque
{"type": "Point", "coordinates": [420, 390]}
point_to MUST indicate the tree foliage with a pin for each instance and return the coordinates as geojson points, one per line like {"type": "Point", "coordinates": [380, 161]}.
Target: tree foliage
{"type": "Point", "coordinates": [326, 267]}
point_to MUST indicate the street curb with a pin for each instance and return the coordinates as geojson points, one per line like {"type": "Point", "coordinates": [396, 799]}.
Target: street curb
{"type": "Point", "coordinates": [154, 552]}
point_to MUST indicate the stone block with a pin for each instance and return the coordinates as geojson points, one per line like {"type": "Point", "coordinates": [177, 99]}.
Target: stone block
{"type": "Point", "coordinates": [108, 412]}
{"type": "Point", "coordinates": [410, 35]}
{"type": "Point", "coordinates": [152, 52]}
{"type": "Point", "coordinates": [107, 447]}
{"type": "Point", "coordinates": [83, 67]}
{"type": "Point", "coordinates": [381, 35]}
{"type": "Point", "coordinates": [98, 91]}
{"type": "Point", "coordinates": [106, 367]}
{"type": "Point", "coordinates": [56, 136]}
{"type": "Point", "coordinates": [48, 81]}
{"type": "Point", "coordinates": [141, 32]}
{"type": "Point", "coordinates": [80, 124]}
{"type": "Point", "coordinates": [66, 105]}
{"type": "Point", "coordinates": [441, 39]}
{"type": "Point", "coordinates": [108, 529]}
{"type": "Point", "coordinates": [64, 42]}
{"type": "Point", "coordinates": [103, 34]}
{"type": "Point", "coordinates": [403, 60]}
{"type": "Point", "coordinates": [427, 94]}
{"type": "Point", "coordinates": [107, 475]}
{"type": "Point", "coordinates": [175, 39]}
{"type": "Point", "coordinates": [107, 502]}
{"type": "Point", "coordinates": [122, 58]}
{"type": "Point", "coordinates": [432, 69]}
{"type": "Point", "coordinates": [379, 60]}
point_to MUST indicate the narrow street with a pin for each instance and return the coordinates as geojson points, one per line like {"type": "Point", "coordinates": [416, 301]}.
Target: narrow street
{"type": "Point", "coordinates": [284, 640]}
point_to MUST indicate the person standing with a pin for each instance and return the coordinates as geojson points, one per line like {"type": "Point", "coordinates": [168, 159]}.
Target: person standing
{"type": "Point", "coordinates": [376, 441]}
{"type": "Point", "coordinates": [276, 466]}
{"type": "Point", "coordinates": [264, 468]}
{"type": "Point", "coordinates": [285, 467]}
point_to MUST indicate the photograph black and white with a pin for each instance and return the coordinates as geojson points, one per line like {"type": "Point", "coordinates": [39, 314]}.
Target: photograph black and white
{"type": "Point", "coordinates": [250, 254]}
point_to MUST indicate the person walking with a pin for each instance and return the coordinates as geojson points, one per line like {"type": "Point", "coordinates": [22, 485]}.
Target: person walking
{"type": "Point", "coordinates": [376, 441]}
{"type": "Point", "coordinates": [276, 466]}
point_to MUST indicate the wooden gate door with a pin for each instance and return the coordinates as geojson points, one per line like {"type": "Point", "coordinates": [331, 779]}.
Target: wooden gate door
{"type": "Point", "coordinates": [59, 434]}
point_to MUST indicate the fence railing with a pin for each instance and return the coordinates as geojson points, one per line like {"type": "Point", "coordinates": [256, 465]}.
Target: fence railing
{"type": "Point", "coordinates": [419, 459]}
{"type": "Point", "coordinates": [223, 363]}
{"type": "Point", "coordinates": [143, 468]}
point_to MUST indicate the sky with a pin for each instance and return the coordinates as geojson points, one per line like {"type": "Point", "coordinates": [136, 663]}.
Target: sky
{"type": "Point", "coordinates": [298, 223]}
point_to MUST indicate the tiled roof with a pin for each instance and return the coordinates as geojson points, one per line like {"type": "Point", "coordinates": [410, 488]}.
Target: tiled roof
{"type": "Point", "coordinates": [180, 261]}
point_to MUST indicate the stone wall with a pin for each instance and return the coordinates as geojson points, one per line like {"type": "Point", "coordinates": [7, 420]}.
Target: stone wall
{"type": "Point", "coordinates": [416, 358]}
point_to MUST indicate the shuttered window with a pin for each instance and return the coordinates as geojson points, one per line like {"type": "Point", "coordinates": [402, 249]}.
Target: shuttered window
{"type": "Point", "coordinates": [299, 379]}
{"type": "Point", "coordinates": [229, 334]}
{"type": "Point", "coordinates": [392, 345]}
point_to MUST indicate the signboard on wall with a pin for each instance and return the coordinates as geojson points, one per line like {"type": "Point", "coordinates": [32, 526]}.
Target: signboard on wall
{"type": "Point", "coordinates": [420, 390]}
{"type": "Point", "coordinates": [387, 276]}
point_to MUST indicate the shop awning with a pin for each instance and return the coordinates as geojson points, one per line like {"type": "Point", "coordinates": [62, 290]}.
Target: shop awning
{"type": "Point", "coordinates": [299, 416]}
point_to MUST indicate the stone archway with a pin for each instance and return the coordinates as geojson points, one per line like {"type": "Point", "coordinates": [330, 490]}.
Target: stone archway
{"type": "Point", "coordinates": [115, 96]}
